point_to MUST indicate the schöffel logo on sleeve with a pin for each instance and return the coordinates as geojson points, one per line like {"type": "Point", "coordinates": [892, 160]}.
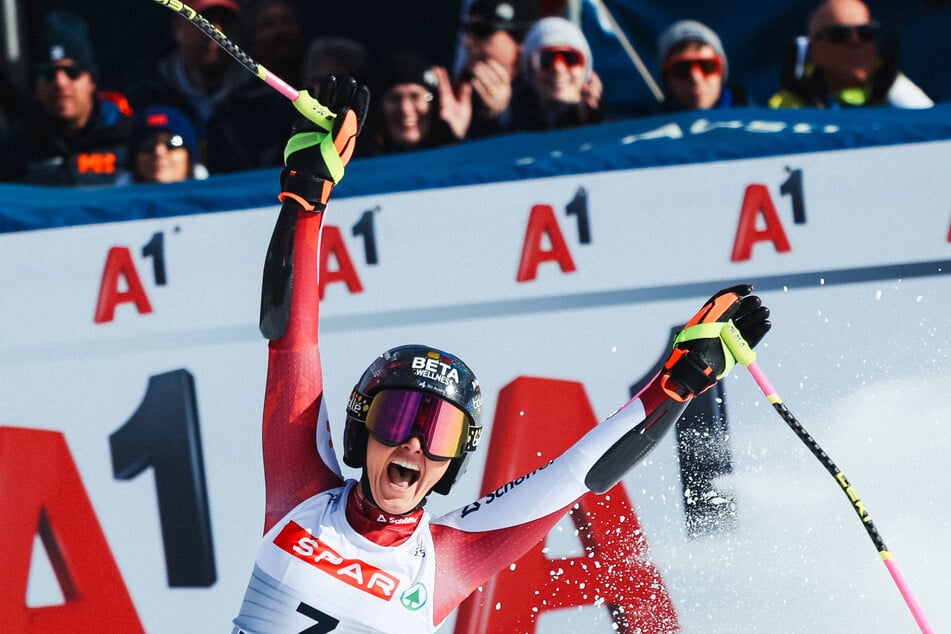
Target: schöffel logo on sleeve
{"type": "Point", "coordinates": [299, 542]}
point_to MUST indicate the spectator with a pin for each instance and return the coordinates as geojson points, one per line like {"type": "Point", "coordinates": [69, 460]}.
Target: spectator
{"type": "Point", "coordinates": [198, 74]}
{"type": "Point", "coordinates": [277, 39]}
{"type": "Point", "coordinates": [164, 147]}
{"type": "Point", "coordinates": [492, 42]}
{"type": "Point", "coordinates": [68, 136]}
{"type": "Point", "coordinates": [337, 56]}
{"type": "Point", "coordinates": [405, 113]}
{"type": "Point", "coordinates": [560, 88]}
{"type": "Point", "coordinates": [244, 127]}
{"type": "Point", "coordinates": [843, 67]}
{"type": "Point", "coordinates": [694, 69]}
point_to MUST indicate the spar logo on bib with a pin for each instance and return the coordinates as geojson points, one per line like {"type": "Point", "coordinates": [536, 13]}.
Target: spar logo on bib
{"type": "Point", "coordinates": [299, 542]}
{"type": "Point", "coordinates": [414, 597]}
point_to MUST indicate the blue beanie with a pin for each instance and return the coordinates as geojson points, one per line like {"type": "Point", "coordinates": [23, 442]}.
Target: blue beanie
{"type": "Point", "coordinates": [65, 35]}
{"type": "Point", "coordinates": [158, 119]}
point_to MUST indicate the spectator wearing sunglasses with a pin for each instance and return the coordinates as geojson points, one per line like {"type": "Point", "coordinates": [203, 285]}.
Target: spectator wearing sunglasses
{"type": "Point", "coordinates": [477, 105]}
{"type": "Point", "coordinates": [67, 136]}
{"type": "Point", "coordinates": [164, 147]}
{"type": "Point", "coordinates": [843, 66]}
{"type": "Point", "coordinates": [560, 88]}
{"type": "Point", "coordinates": [694, 69]}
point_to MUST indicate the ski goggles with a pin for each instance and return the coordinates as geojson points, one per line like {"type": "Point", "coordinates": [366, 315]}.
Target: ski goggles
{"type": "Point", "coordinates": [397, 415]}
{"type": "Point", "coordinates": [683, 67]}
{"type": "Point", "coordinates": [546, 58]}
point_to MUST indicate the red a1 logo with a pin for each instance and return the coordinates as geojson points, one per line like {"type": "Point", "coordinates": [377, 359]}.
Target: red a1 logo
{"type": "Point", "coordinates": [41, 493]}
{"type": "Point", "coordinates": [757, 204]}
{"type": "Point", "coordinates": [543, 228]}
{"type": "Point", "coordinates": [615, 571]}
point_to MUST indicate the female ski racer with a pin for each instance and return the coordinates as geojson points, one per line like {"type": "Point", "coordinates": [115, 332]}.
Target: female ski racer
{"type": "Point", "coordinates": [348, 556]}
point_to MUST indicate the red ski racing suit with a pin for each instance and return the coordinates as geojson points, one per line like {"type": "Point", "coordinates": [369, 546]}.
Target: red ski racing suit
{"type": "Point", "coordinates": [331, 562]}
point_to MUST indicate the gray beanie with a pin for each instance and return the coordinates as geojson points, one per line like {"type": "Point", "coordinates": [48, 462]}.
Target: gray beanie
{"type": "Point", "coordinates": [690, 31]}
{"type": "Point", "coordinates": [555, 31]}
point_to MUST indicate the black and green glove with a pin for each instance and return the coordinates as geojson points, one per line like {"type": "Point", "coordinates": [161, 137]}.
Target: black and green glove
{"type": "Point", "coordinates": [701, 354]}
{"type": "Point", "coordinates": [323, 142]}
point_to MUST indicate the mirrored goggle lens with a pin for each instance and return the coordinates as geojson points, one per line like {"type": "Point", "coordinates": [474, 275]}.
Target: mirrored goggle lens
{"type": "Point", "coordinates": [396, 415]}
{"type": "Point", "coordinates": [569, 57]}
{"type": "Point", "coordinates": [683, 68]}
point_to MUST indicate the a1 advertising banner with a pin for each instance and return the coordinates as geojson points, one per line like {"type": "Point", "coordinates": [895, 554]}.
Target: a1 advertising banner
{"type": "Point", "coordinates": [132, 376]}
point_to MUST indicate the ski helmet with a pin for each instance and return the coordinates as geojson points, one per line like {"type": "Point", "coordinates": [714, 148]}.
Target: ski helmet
{"type": "Point", "coordinates": [419, 368]}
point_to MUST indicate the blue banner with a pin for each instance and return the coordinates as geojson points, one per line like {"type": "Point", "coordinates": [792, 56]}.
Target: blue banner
{"type": "Point", "coordinates": [635, 143]}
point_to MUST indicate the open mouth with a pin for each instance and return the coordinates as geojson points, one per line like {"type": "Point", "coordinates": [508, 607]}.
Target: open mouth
{"type": "Point", "coordinates": [403, 474]}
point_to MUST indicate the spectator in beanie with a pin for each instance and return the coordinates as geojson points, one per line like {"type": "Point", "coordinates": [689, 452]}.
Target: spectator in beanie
{"type": "Point", "coordinates": [694, 69]}
{"type": "Point", "coordinates": [67, 136]}
{"type": "Point", "coordinates": [164, 147]}
{"type": "Point", "coordinates": [405, 111]}
{"type": "Point", "coordinates": [560, 88]}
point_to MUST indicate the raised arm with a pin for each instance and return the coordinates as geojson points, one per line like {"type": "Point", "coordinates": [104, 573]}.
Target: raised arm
{"type": "Point", "coordinates": [298, 458]}
{"type": "Point", "coordinates": [481, 538]}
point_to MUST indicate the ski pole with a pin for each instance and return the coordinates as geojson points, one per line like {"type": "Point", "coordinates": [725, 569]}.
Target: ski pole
{"type": "Point", "coordinates": [618, 32]}
{"type": "Point", "coordinates": [747, 356]}
{"type": "Point", "coordinates": [302, 100]}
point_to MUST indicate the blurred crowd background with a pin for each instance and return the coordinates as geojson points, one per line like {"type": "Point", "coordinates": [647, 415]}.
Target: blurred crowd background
{"type": "Point", "coordinates": [629, 54]}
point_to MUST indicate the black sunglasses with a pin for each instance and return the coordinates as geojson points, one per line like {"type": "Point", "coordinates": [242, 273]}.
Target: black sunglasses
{"type": "Point", "coordinates": [480, 29]}
{"type": "Point", "coordinates": [149, 143]}
{"type": "Point", "coordinates": [47, 72]}
{"type": "Point", "coordinates": [842, 33]}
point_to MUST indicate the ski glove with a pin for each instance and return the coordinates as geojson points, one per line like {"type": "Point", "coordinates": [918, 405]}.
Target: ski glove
{"type": "Point", "coordinates": [322, 143]}
{"type": "Point", "coordinates": [701, 355]}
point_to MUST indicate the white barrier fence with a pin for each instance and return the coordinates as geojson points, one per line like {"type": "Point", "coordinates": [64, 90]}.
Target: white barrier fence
{"type": "Point", "coordinates": [571, 277]}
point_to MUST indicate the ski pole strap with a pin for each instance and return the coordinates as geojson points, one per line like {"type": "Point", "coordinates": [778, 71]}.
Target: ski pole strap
{"type": "Point", "coordinates": [328, 153]}
{"type": "Point", "coordinates": [712, 330]}
{"type": "Point", "coordinates": [314, 191]}
{"type": "Point", "coordinates": [305, 205]}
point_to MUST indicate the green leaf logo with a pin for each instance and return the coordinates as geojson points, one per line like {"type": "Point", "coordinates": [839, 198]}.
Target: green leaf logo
{"type": "Point", "coordinates": [414, 597]}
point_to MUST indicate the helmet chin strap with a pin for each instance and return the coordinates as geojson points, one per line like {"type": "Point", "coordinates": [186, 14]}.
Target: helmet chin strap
{"type": "Point", "coordinates": [368, 494]}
